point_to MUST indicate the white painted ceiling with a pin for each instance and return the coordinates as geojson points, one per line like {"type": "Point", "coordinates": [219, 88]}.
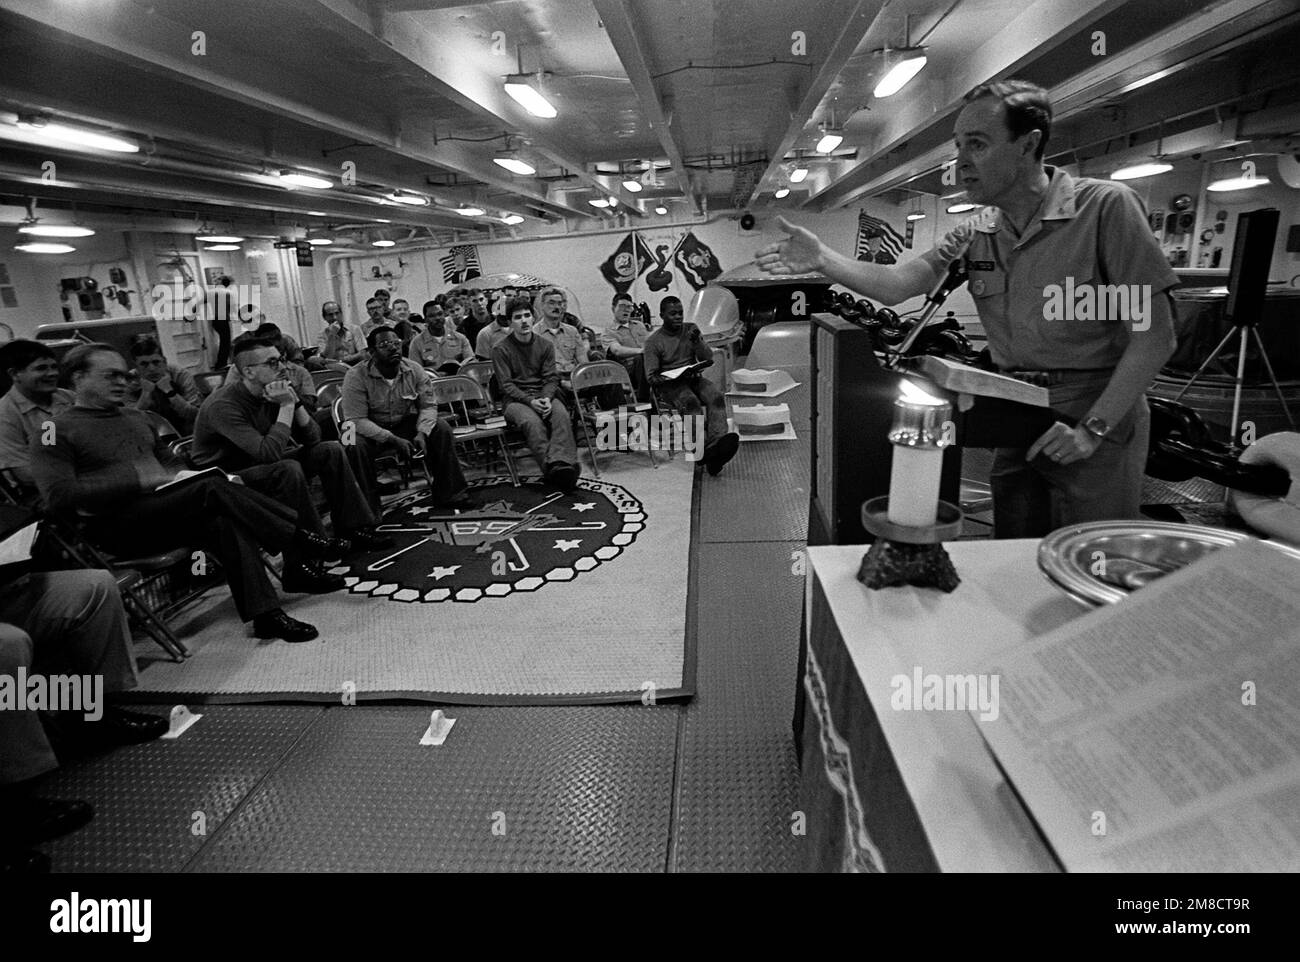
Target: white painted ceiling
{"type": "Point", "coordinates": [721, 96]}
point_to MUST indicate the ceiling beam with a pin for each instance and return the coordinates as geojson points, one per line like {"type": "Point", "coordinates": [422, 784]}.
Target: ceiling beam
{"type": "Point", "coordinates": [446, 58]}
{"type": "Point", "coordinates": [622, 27]}
{"type": "Point", "coordinates": [155, 45]}
{"type": "Point", "coordinates": [932, 107]}
{"type": "Point", "coordinates": [857, 21]}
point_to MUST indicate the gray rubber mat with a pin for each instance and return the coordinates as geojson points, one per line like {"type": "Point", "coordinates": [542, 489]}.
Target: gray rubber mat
{"type": "Point", "coordinates": [157, 804]}
{"type": "Point", "coordinates": [567, 789]}
{"type": "Point", "coordinates": [762, 495]}
{"type": "Point", "coordinates": [738, 784]}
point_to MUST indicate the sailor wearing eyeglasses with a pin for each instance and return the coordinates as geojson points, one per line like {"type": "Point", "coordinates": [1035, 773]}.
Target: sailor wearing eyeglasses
{"type": "Point", "coordinates": [257, 426]}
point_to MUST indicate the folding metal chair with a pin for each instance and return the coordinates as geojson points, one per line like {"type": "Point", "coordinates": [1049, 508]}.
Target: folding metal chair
{"type": "Point", "coordinates": [129, 573]}
{"type": "Point", "coordinates": [459, 389]}
{"type": "Point", "coordinates": [402, 465]}
{"type": "Point", "coordinates": [597, 374]}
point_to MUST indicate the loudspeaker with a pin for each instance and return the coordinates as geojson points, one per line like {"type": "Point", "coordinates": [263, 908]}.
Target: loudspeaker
{"type": "Point", "coordinates": [1252, 254]}
{"type": "Point", "coordinates": [852, 413]}
{"type": "Point", "coordinates": [747, 221]}
{"type": "Point", "coordinates": [1186, 221]}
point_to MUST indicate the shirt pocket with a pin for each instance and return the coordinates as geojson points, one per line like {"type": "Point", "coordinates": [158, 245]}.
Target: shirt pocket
{"type": "Point", "coordinates": [987, 284]}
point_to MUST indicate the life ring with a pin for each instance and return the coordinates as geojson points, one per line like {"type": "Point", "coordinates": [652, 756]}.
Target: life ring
{"type": "Point", "coordinates": [1276, 517]}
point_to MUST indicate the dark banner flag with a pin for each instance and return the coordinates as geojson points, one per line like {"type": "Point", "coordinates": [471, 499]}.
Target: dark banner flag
{"type": "Point", "coordinates": [696, 261]}
{"type": "Point", "coordinates": [627, 262]}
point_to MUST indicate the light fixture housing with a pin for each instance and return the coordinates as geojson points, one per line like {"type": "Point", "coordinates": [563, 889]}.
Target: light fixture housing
{"type": "Point", "coordinates": [382, 243]}
{"type": "Point", "coordinates": [961, 207]}
{"type": "Point", "coordinates": [1146, 168]}
{"type": "Point", "coordinates": [469, 211]}
{"type": "Point", "coordinates": [512, 219]}
{"type": "Point", "coordinates": [907, 66]}
{"type": "Point", "coordinates": [408, 198]}
{"type": "Point", "coordinates": [38, 247]}
{"type": "Point", "coordinates": [632, 185]}
{"type": "Point", "coordinates": [916, 215]}
{"type": "Point", "coordinates": [34, 129]}
{"type": "Point", "coordinates": [798, 174]}
{"type": "Point", "coordinates": [661, 210]}
{"type": "Point", "coordinates": [599, 202]}
{"type": "Point", "coordinates": [514, 164]}
{"type": "Point", "coordinates": [319, 241]}
{"type": "Point", "coordinates": [294, 178]}
{"type": "Point", "coordinates": [525, 90]}
{"type": "Point", "coordinates": [222, 247]}
{"type": "Point", "coordinates": [315, 213]}
{"type": "Point", "coordinates": [832, 137]}
{"type": "Point", "coordinates": [219, 238]}
{"type": "Point", "coordinates": [1238, 183]}
{"type": "Point", "coordinates": [782, 192]}
{"type": "Point", "coordinates": [55, 230]}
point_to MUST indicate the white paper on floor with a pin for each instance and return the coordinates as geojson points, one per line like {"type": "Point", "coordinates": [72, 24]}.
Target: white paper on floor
{"type": "Point", "coordinates": [760, 383]}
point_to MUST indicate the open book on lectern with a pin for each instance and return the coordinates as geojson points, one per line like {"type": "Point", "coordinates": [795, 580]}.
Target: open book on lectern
{"type": "Point", "coordinates": [1006, 412]}
{"type": "Point", "coordinates": [965, 379]}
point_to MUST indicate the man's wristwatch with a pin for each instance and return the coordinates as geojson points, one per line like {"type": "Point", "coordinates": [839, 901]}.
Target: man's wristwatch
{"type": "Point", "coordinates": [1097, 427]}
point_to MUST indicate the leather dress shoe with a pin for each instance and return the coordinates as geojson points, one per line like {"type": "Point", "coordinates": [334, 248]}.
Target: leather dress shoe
{"type": "Point", "coordinates": [315, 545]}
{"type": "Point", "coordinates": [363, 539]}
{"type": "Point", "coordinates": [24, 862]}
{"type": "Point", "coordinates": [276, 624]}
{"type": "Point", "coordinates": [32, 819]}
{"type": "Point", "coordinates": [563, 476]}
{"type": "Point", "coordinates": [310, 578]}
{"type": "Point", "coordinates": [387, 487]}
{"type": "Point", "coordinates": [132, 727]}
{"type": "Point", "coordinates": [717, 454]}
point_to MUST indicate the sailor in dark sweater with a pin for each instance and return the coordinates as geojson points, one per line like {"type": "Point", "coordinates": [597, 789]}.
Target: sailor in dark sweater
{"type": "Point", "coordinates": [671, 346]}
{"type": "Point", "coordinates": [525, 370]}
{"type": "Point", "coordinates": [257, 428]}
{"type": "Point", "coordinates": [103, 466]}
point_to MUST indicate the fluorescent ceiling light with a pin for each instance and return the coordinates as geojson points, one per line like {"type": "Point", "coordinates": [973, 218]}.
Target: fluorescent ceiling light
{"type": "Point", "coordinates": [1238, 183]}
{"type": "Point", "coordinates": [632, 185]}
{"type": "Point", "coordinates": [900, 73]}
{"type": "Point", "coordinates": [54, 230]}
{"type": "Point", "coordinates": [599, 202]}
{"type": "Point", "coordinates": [66, 135]}
{"type": "Point", "coordinates": [515, 165]}
{"type": "Point", "coordinates": [469, 211]}
{"type": "Point", "coordinates": [916, 215]}
{"type": "Point", "coordinates": [783, 192]}
{"type": "Point", "coordinates": [222, 247]}
{"type": "Point", "coordinates": [512, 219]}
{"type": "Point", "coordinates": [380, 220]}
{"type": "Point", "coordinates": [961, 208]}
{"type": "Point", "coordinates": [382, 243]}
{"type": "Point", "coordinates": [1148, 168]}
{"type": "Point", "coordinates": [305, 180]}
{"type": "Point", "coordinates": [521, 88]}
{"type": "Point", "coordinates": [798, 174]}
{"type": "Point", "coordinates": [219, 238]}
{"type": "Point", "coordinates": [830, 140]}
{"type": "Point", "coordinates": [38, 248]}
{"type": "Point", "coordinates": [412, 200]}
{"type": "Point", "coordinates": [661, 210]}
{"type": "Point", "coordinates": [315, 213]}
{"type": "Point", "coordinates": [319, 241]}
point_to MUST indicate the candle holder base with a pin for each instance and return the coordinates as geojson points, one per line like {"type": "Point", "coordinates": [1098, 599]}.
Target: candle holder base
{"type": "Point", "coordinates": [908, 555]}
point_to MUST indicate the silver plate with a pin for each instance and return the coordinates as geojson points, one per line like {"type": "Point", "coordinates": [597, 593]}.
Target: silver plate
{"type": "Point", "coordinates": [1135, 553]}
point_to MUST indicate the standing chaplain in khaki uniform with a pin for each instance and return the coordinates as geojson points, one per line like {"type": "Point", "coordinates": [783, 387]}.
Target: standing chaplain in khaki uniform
{"type": "Point", "coordinates": [1042, 234]}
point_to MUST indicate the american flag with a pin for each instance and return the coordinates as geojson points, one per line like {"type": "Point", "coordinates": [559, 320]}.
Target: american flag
{"type": "Point", "coordinates": [460, 264]}
{"type": "Point", "coordinates": [870, 228]}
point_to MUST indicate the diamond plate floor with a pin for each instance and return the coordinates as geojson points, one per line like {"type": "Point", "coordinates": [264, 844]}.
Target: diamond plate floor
{"type": "Point", "coordinates": [739, 783]}
{"type": "Point", "coordinates": [514, 789]}
{"type": "Point", "coordinates": [156, 805]}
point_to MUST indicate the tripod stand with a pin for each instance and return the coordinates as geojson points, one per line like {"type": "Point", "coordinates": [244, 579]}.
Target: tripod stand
{"type": "Point", "coordinates": [1243, 329]}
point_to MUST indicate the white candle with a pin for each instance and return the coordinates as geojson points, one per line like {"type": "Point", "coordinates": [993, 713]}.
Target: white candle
{"type": "Point", "coordinates": [919, 436]}
{"type": "Point", "coordinates": [914, 486]}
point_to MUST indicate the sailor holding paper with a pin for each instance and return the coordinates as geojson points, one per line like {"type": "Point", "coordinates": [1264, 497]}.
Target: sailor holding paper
{"type": "Point", "coordinates": [1042, 233]}
{"type": "Point", "coordinates": [674, 356]}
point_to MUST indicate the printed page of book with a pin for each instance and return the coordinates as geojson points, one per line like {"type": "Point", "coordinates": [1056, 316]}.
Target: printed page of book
{"type": "Point", "coordinates": [973, 380]}
{"type": "Point", "coordinates": [1163, 733]}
